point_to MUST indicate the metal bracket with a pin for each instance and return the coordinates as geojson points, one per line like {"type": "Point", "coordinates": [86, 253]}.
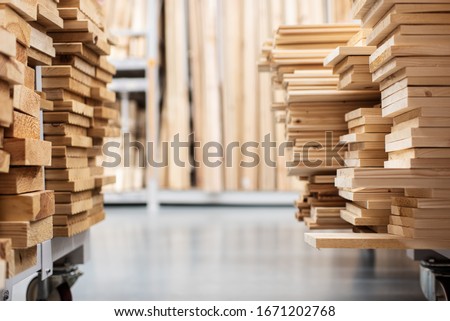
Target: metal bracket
{"type": "Point", "coordinates": [47, 260]}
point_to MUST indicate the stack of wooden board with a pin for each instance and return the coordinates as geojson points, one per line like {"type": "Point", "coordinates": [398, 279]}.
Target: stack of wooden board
{"type": "Point", "coordinates": [351, 63]}
{"type": "Point", "coordinates": [323, 204]}
{"type": "Point", "coordinates": [312, 92]}
{"type": "Point", "coordinates": [412, 64]}
{"type": "Point", "coordinates": [26, 209]}
{"type": "Point", "coordinates": [82, 116]}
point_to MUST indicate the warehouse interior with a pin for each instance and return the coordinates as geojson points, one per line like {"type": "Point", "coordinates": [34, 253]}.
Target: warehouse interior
{"type": "Point", "coordinates": [194, 150]}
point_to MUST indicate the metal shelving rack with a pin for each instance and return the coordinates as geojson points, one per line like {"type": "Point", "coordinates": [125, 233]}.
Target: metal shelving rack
{"type": "Point", "coordinates": [149, 85]}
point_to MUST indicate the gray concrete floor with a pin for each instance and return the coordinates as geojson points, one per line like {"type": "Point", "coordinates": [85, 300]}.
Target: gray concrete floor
{"type": "Point", "coordinates": [231, 253]}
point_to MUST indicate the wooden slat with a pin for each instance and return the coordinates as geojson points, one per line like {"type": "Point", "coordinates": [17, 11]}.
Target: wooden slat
{"type": "Point", "coordinates": [28, 152]}
{"type": "Point", "coordinates": [370, 241]}
{"type": "Point", "coordinates": [27, 234]}
{"type": "Point", "coordinates": [24, 126]}
{"type": "Point", "coordinates": [27, 207]}
{"type": "Point", "coordinates": [22, 180]}
{"type": "Point", "coordinates": [15, 24]}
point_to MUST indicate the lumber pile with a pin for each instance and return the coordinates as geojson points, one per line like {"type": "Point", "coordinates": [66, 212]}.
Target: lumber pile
{"type": "Point", "coordinates": [365, 141]}
{"type": "Point", "coordinates": [411, 63]}
{"type": "Point", "coordinates": [315, 112]}
{"type": "Point", "coordinates": [26, 209]}
{"type": "Point", "coordinates": [84, 115]}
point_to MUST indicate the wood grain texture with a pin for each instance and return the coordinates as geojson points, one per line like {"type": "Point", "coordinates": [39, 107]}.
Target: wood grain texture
{"type": "Point", "coordinates": [27, 234]}
{"type": "Point", "coordinates": [12, 71]}
{"type": "Point", "coordinates": [23, 126]}
{"type": "Point", "coordinates": [28, 152]}
{"type": "Point", "coordinates": [27, 207]}
{"type": "Point", "coordinates": [15, 24]}
{"type": "Point", "coordinates": [21, 180]}
{"type": "Point", "coordinates": [26, 100]}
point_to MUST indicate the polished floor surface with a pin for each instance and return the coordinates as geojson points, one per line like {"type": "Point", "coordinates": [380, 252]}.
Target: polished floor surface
{"type": "Point", "coordinates": [231, 253]}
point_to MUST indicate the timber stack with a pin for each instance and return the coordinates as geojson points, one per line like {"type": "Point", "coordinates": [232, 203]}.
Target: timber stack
{"type": "Point", "coordinates": [411, 64]}
{"type": "Point", "coordinates": [367, 209]}
{"type": "Point", "coordinates": [26, 208]}
{"type": "Point", "coordinates": [83, 116]}
{"type": "Point", "coordinates": [315, 114]}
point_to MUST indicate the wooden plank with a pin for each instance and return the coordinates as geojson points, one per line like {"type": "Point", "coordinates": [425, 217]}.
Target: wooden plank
{"type": "Point", "coordinates": [27, 234]}
{"type": "Point", "coordinates": [428, 193]}
{"type": "Point", "coordinates": [8, 47]}
{"type": "Point", "coordinates": [418, 163]}
{"type": "Point", "coordinates": [364, 212]}
{"type": "Point", "coordinates": [27, 207]}
{"type": "Point", "coordinates": [67, 174]}
{"type": "Point", "coordinates": [28, 152]}
{"type": "Point", "coordinates": [68, 163]}
{"type": "Point", "coordinates": [49, 18]}
{"type": "Point", "coordinates": [71, 230]}
{"type": "Point", "coordinates": [6, 111]}
{"type": "Point", "coordinates": [68, 84]}
{"type": "Point", "coordinates": [393, 20]}
{"type": "Point", "coordinates": [370, 241]}
{"type": "Point", "coordinates": [67, 220]}
{"type": "Point", "coordinates": [74, 207]}
{"type": "Point", "coordinates": [56, 129]}
{"type": "Point", "coordinates": [66, 117]}
{"type": "Point", "coordinates": [22, 180]}
{"type": "Point", "coordinates": [75, 186]}
{"type": "Point", "coordinates": [24, 259]}
{"type": "Point", "coordinates": [354, 196]}
{"type": "Point", "coordinates": [37, 58]}
{"type": "Point", "coordinates": [74, 141]}
{"type": "Point", "coordinates": [363, 221]}
{"type": "Point", "coordinates": [30, 78]}
{"type": "Point", "coordinates": [26, 101]}
{"type": "Point", "coordinates": [12, 71]}
{"type": "Point", "coordinates": [80, 50]}
{"type": "Point", "coordinates": [63, 151]}
{"type": "Point", "coordinates": [340, 53]}
{"type": "Point", "coordinates": [4, 162]}
{"type": "Point", "coordinates": [68, 197]}
{"type": "Point", "coordinates": [105, 180]}
{"type": "Point", "coordinates": [23, 126]}
{"type": "Point", "coordinates": [397, 64]}
{"type": "Point", "coordinates": [433, 234]}
{"type": "Point", "coordinates": [26, 8]}
{"type": "Point", "coordinates": [91, 9]}
{"type": "Point", "coordinates": [15, 24]}
{"type": "Point", "coordinates": [41, 42]}
{"type": "Point", "coordinates": [77, 63]}
{"type": "Point", "coordinates": [74, 107]}
{"type": "Point", "coordinates": [103, 94]}
{"type": "Point", "coordinates": [428, 213]}
{"type": "Point", "coordinates": [420, 223]}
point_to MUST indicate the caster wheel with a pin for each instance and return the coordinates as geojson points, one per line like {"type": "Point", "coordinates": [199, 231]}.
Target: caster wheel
{"type": "Point", "coordinates": [442, 289]}
{"type": "Point", "coordinates": [60, 293]}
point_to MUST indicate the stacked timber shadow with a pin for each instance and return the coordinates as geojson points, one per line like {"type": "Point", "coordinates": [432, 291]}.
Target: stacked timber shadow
{"type": "Point", "coordinates": [411, 63]}
{"type": "Point", "coordinates": [50, 139]}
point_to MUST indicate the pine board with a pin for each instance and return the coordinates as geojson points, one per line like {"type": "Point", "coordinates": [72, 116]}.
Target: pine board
{"type": "Point", "coordinates": [28, 152]}
{"type": "Point", "coordinates": [27, 234]}
{"type": "Point", "coordinates": [23, 126]}
{"type": "Point", "coordinates": [27, 207]}
{"type": "Point", "coordinates": [370, 241]}
{"type": "Point", "coordinates": [21, 180]}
